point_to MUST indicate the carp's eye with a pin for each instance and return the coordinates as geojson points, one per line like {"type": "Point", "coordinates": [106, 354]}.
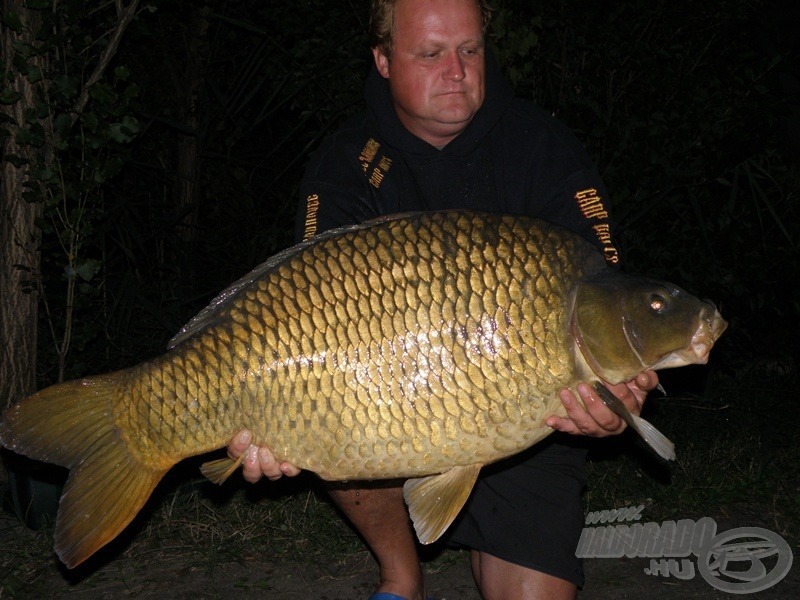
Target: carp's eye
{"type": "Point", "coordinates": [657, 303]}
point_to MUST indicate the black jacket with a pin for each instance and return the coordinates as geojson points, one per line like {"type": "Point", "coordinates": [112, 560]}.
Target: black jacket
{"type": "Point", "coordinates": [512, 158]}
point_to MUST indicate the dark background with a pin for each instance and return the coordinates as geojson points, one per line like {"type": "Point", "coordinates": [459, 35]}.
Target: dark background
{"type": "Point", "coordinates": [179, 172]}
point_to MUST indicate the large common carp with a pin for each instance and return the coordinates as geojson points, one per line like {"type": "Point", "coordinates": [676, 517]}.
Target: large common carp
{"type": "Point", "coordinates": [422, 346]}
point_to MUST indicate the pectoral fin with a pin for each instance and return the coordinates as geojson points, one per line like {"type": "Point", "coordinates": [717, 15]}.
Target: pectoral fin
{"type": "Point", "coordinates": [654, 438]}
{"type": "Point", "coordinates": [433, 502]}
{"type": "Point", "coordinates": [219, 470]}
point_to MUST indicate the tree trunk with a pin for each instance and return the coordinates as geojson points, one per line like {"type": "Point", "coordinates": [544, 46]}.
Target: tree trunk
{"type": "Point", "coordinates": [18, 308]}
{"type": "Point", "coordinates": [191, 80]}
{"type": "Point", "coordinates": [19, 245]}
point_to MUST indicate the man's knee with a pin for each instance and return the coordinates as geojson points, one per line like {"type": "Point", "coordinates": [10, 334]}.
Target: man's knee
{"type": "Point", "coordinates": [498, 579]}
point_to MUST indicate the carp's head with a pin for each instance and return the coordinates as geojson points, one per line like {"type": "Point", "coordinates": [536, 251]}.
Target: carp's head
{"type": "Point", "coordinates": [624, 324]}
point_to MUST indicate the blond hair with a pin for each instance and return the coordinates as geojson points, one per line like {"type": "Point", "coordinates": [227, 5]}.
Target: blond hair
{"type": "Point", "coordinates": [381, 23]}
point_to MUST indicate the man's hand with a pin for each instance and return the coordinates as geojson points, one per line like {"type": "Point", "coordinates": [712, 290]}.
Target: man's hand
{"type": "Point", "coordinates": [258, 462]}
{"type": "Point", "coordinates": [596, 419]}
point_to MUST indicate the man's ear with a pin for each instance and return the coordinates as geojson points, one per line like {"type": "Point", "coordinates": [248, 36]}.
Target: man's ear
{"type": "Point", "coordinates": [381, 61]}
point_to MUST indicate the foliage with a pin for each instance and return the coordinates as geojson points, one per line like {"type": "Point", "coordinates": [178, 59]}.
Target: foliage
{"type": "Point", "coordinates": [74, 141]}
{"type": "Point", "coordinates": [271, 80]}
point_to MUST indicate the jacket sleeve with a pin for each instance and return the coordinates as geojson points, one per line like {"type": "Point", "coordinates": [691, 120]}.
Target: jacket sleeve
{"type": "Point", "coordinates": [334, 191]}
{"type": "Point", "coordinates": [555, 176]}
{"type": "Point", "coordinates": [581, 205]}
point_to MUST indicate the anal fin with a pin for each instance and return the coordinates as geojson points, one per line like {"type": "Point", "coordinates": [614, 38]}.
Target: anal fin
{"type": "Point", "coordinates": [219, 470]}
{"type": "Point", "coordinates": [435, 501]}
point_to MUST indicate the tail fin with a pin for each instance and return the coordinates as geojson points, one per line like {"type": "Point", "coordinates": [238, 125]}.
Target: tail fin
{"type": "Point", "coordinates": [71, 424]}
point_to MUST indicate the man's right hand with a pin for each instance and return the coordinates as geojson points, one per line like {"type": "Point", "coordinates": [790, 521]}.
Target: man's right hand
{"type": "Point", "coordinates": [258, 462]}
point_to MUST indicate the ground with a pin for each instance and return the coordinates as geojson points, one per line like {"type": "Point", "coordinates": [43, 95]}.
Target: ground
{"type": "Point", "coordinates": [174, 571]}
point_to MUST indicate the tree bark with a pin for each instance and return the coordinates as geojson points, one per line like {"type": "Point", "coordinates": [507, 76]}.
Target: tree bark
{"type": "Point", "coordinates": [18, 308]}
{"type": "Point", "coordinates": [19, 245]}
{"type": "Point", "coordinates": [190, 146]}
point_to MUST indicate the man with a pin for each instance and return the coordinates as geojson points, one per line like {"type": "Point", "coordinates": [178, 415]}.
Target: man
{"type": "Point", "coordinates": [443, 130]}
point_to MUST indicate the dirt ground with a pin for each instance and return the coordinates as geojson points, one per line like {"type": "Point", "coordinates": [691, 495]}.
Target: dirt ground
{"type": "Point", "coordinates": [169, 573]}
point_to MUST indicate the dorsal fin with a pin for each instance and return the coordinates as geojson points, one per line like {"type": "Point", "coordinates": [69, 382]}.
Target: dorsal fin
{"type": "Point", "coordinates": [206, 316]}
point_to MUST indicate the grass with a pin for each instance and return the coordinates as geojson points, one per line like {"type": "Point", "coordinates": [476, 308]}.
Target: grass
{"type": "Point", "coordinates": [286, 520]}
{"type": "Point", "coordinates": [194, 527]}
{"type": "Point", "coordinates": [737, 458]}
{"type": "Point", "coordinates": [737, 454]}
{"type": "Point", "coordinates": [21, 561]}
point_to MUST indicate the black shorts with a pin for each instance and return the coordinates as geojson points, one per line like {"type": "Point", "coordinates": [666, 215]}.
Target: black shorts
{"type": "Point", "coordinates": [527, 509]}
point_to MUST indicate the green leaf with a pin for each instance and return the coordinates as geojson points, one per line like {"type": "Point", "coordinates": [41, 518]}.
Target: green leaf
{"type": "Point", "coordinates": [87, 269]}
{"type": "Point", "coordinates": [130, 92]}
{"type": "Point", "coordinates": [34, 74]}
{"type": "Point", "coordinates": [89, 290]}
{"type": "Point", "coordinates": [44, 174]}
{"type": "Point", "coordinates": [124, 132]}
{"type": "Point", "coordinates": [12, 21]}
{"type": "Point", "coordinates": [62, 124]}
{"type": "Point", "coordinates": [9, 96]}
{"type": "Point", "coordinates": [131, 124]}
{"type": "Point", "coordinates": [122, 73]}
{"type": "Point", "coordinates": [31, 196]}
{"type": "Point", "coordinates": [37, 4]}
{"type": "Point", "coordinates": [15, 159]}
{"type": "Point", "coordinates": [23, 49]}
{"type": "Point", "coordinates": [102, 93]}
{"type": "Point", "coordinates": [117, 134]}
{"type": "Point", "coordinates": [30, 136]}
{"type": "Point", "coordinates": [67, 85]}
{"type": "Point", "coordinates": [90, 121]}
{"type": "Point", "coordinates": [20, 63]}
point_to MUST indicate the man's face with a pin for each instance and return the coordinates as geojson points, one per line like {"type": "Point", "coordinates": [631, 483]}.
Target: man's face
{"type": "Point", "coordinates": [436, 73]}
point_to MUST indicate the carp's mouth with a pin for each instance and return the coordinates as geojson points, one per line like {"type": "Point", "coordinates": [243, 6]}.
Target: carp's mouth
{"type": "Point", "coordinates": [708, 332]}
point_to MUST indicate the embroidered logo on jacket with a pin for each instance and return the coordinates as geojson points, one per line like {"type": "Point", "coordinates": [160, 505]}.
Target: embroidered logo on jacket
{"type": "Point", "coordinates": [591, 204]}
{"type": "Point", "coordinates": [312, 207]}
{"type": "Point", "coordinates": [592, 208]}
{"type": "Point", "coordinates": [368, 157]}
{"type": "Point", "coordinates": [368, 154]}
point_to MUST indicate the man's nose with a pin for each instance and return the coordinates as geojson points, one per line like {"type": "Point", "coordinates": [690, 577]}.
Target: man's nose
{"type": "Point", "coordinates": [455, 67]}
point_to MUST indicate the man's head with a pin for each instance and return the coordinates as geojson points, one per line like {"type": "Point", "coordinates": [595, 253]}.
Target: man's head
{"type": "Point", "coordinates": [381, 23]}
{"type": "Point", "coordinates": [432, 53]}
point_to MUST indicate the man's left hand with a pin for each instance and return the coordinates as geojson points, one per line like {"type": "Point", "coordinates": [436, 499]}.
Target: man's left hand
{"type": "Point", "coordinates": [593, 417]}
